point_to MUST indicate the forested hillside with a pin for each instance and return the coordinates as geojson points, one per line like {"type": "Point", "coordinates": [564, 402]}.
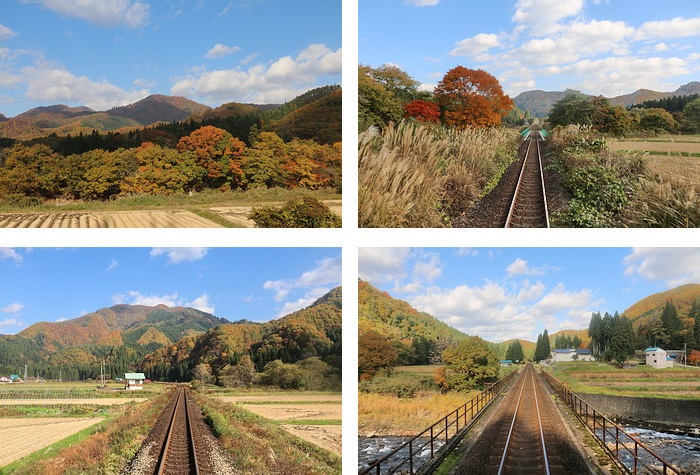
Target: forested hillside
{"type": "Point", "coordinates": [168, 343]}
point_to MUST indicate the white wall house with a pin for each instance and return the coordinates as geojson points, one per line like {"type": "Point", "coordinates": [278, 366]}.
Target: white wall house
{"type": "Point", "coordinates": [658, 358]}
{"type": "Point", "coordinates": [561, 356]}
{"type": "Point", "coordinates": [134, 381]}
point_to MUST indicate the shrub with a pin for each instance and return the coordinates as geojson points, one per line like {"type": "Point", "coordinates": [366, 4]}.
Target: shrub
{"type": "Point", "coordinates": [305, 212]}
{"type": "Point", "coordinates": [400, 385]}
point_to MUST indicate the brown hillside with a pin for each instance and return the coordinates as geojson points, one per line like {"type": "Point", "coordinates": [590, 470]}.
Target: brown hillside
{"type": "Point", "coordinates": [650, 308]}
{"type": "Point", "coordinates": [320, 121]}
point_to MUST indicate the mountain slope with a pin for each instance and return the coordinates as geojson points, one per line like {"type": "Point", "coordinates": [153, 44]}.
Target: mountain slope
{"type": "Point", "coordinates": [540, 102]}
{"type": "Point", "coordinates": [320, 120]}
{"type": "Point", "coordinates": [651, 307]}
{"type": "Point", "coordinates": [159, 108]}
{"type": "Point", "coordinates": [396, 319]}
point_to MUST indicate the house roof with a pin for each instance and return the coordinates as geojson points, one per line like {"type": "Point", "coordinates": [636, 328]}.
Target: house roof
{"type": "Point", "coordinates": [134, 376]}
{"type": "Point", "coordinates": [564, 351]}
{"type": "Point", "coordinates": [583, 351]}
{"type": "Point", "coordinates": [506, 361]}
{"type": "Point", "coordinates": [653, 349]}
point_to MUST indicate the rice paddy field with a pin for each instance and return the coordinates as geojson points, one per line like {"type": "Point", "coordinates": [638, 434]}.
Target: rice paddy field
{"type": "Point", "coordinates": [674, 158]}
{"type": "Point", "coordinates": [644, 381]}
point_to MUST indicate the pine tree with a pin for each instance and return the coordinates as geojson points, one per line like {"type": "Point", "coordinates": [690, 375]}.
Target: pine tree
{"type": "Point", "coordinates": [695, 314]}
{"type": "Point", "coordinates": [622, 340]}
{"type": "Point", "coordinates": [515, 352]}
{"type": "Point", "coordinates": [673, 325]}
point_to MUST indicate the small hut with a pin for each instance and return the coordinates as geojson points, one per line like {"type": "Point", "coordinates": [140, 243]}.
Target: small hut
{"type": "Point", "coordinates": [134, 381]}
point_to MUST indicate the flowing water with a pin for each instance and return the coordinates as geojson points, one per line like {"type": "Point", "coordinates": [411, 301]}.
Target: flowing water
{"type": "Point", "coordinates": [373, 448]}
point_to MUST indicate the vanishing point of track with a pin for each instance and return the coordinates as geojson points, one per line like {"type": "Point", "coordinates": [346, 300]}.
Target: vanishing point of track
{"type": "Point", "coordinates": [178, 453]}
{"type": "Point", "coordinates": [528, 209]}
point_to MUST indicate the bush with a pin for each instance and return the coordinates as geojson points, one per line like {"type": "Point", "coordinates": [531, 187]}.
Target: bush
{"type": "Point", "coordinates": [305, 212]}
{"type": "Point", "coordinates": [400, 385]}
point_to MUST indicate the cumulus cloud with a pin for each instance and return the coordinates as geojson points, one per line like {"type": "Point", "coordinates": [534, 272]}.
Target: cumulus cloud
{"type": "Point", "coordinates": [109, 13]}
{"type": "Point", "coordinates": [497, 313]}
{"type": "Point", "coordinates": [541, 16]}
{"type": "Point", "coordinates": [176, 255]}
{"type": "Point", "coordinates": [382, 264]}
{"type": "Point", "coordinates": [202, 303]}
{"type": "Point", "coordinates": [673, 266]}
{"type": "Point", "coordinates": [6, 33]}
{"type": "Point", "coordinates": [521, 267]}
{"type": "Point", "coordinates": [309, 297]}
{"type": "Point", "coordinates": [112, 265]}
{"type": "Point", "coordinates": [57, 85]}
{"type": "Point", "coordinates": [11, 322]}
{"type": "Point", "coordinates": [475, 46]}
{"type": "Point", "coordinates": [678, 27]}
{"type": "Point", "coordinates": [326, 273]}
{"type": "Point", "coordinates": [219, 51]}
{"type": "Point", "coordinates": [12, 308]}
{"type": "Point", "coordinates": [279, 81]}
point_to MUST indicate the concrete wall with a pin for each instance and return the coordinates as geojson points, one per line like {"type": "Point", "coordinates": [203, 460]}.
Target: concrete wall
{"type": "Point", "coordinates": [664, 413]}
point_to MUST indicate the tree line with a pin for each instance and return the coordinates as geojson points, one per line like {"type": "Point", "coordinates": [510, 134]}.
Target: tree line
{"type": "Point", "coordinates": [463, 98]}
{"type": "Point", "coordinates": [673, 115]}
{"type": "Point", "coordinates": [207, 158]}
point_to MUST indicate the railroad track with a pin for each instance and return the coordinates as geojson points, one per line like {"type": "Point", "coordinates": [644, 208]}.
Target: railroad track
{"type": "Point", "coordinates": [178, 453]}
{"type": "Point", "coordinates": [524, 435]}
{"type": "Point", "coordinates": [528, 208]}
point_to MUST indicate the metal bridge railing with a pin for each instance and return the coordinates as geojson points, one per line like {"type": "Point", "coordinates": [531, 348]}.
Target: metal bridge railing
{"type": "Point", "coordinates": [629, 453]}
{"type": "Point", "coordinates": [437, 435]}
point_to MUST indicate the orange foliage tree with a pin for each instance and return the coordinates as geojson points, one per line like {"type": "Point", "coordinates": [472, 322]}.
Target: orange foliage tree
{"type": "Point", "coordinates": [423, 111]}
{"type": "Point", "coordinates": [469, 97]}
{"type": "Point", "coordinates": [694, 358]}
{"type": "Point", "coordinates": [219, 153]}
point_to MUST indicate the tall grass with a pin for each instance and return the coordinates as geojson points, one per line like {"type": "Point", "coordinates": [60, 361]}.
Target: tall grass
{"type": "Point", "coordinates": [419, 175]}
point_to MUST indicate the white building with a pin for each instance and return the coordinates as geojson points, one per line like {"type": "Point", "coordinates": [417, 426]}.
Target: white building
{"type": "Point", "coordinates": [658, 358]}
{"type": "Point", "coordinates": [561, 356]}
{"type": "Point", "coordinates": [584, 354]}
{"type": "Point", "coordinates": [134, 381]}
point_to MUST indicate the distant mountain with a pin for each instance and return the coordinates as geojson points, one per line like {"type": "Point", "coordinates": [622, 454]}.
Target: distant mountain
{"type": "Point", "coordinates": [651, 307]}
{"type": "Point", "coordinates": [381, 313]}
{"type": "Point", "coordinates": [121, 325]}
{"type": "Point", "coordinates": [3, 118]}
{"type": "Point", "coordinates": [159, 108]}
{"type": "Point", "coordinates": [539, 103]}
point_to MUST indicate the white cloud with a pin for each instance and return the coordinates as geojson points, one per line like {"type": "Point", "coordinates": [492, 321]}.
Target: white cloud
{"type": "Point", "coordinates": [59, 320]}
{"type": "Point", "coordinates": [176, 255]}
{"type": "Point", "coordinates": [110, 13]}
{"type": "Point", "coordinates": [134, 297]}
{"type": "Point", "coordinates": [248, 58]}
{"type": "Point", "coordinates": [12, 308]}
{"type": "Point", "coordinates": [420, 3]}
{"type": "Point", "coordinates": [428, 270]}
{"type": "Point", "coordinates": [521, 267]}
{"type": "Point", "coordinates": [9, 253]}
{"type": "Point", "coordinates": [6, 33]}
{"type": "Point", "coordinates": [560, 300]}
{"type": "Point", "coordinates": [219, 51]}
{"type": "Point", "coordinates": [303, 302]}
{"type": "Point", "coordinates": [382, 264]}
{"type": "Point", "coordinates": [280, 81]}
{"type": "Point", "coordinates": [112, 265]}
{"type": "Point", "coordinates": [678, 27]}
{"type": "Point", "coordinates": [475, 46]}
{"type": "Point", "coordinates": [202, 303]}
{"type": "Point", "coordinates": [55, 85]}
{"type": "Point", "coordinates": [327, 272]}
{"type": "Point", "coordinates": [541, 16]}
{"type": "Point", "coordinates": [11, 322]}
{"type": "Point", "coordinates": [673, 265]}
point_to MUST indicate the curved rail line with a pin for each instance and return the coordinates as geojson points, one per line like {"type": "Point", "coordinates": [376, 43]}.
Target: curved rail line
{"type": "Point", "coordinates": [528, 209]}
{"type": "Point", "coordinates": [521, 428]}
{"type": "Point", "coordinates": [178, 454]}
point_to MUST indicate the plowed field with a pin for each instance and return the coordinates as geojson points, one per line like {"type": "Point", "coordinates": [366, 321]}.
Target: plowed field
{"type": "Point", "coordinates": [106, 219]}
{"type": "Point", "coordinates": [21, 437]}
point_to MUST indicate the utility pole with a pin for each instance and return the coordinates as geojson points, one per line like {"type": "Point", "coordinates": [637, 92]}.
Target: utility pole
{"type": "Point", "coordinates": [102, 372]}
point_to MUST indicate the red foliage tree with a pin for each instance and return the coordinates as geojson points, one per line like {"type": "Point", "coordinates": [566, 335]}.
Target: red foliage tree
{"type": "Point", "coordinates": [423, 111]}
{"type": "Point", "coordinates": [694, 358]}
{"type": "Point", "coordinates": [469, 97]}
{"type": "Point", "coordinates": [218, 152]}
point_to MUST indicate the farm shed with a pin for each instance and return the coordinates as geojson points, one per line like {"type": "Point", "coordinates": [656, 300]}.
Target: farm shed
{"type": "Point", "coordinates": [658, 358]}
{"type": "Point", "coordinates": [584, 354]}
{"type": "Point", "coordinates": [561, 355]}
{"type": "Point", "coordinates": [506, 363]}
{"type": "Point", "coordinates": [134, 381]}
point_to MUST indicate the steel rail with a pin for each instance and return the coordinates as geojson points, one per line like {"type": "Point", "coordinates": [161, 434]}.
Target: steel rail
{"type": "Point", "coordinates": [501, 467]}
{"type": "Point", "coordinates": [181, 398]}
{"type": "Point", "coordinates": [516, 194]}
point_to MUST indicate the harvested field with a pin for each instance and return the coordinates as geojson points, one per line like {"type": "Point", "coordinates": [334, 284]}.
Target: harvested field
{"type": "Point", "coordinates": [668, 147]}
{"type": "Point", "coordinates": [328, 437]}
{"type": "Point", "coordinates": [22, 437]}
{"type": "Point", "coordinates": [52, 402]}
{"type": "Point", "coordinates": [284, 398]}
{"type": "Point", "coordinates": [106, 219]}
{"type": "Point", "coordinates": [239, 214]}
{"type": "Point", "coordinates": [288, 412]}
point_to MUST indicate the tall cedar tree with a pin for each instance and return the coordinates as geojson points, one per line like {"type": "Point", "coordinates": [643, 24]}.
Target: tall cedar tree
{"type": "Point", "coordinates": [622, 340]}
{"type": "Point", "coordinates": [673, 325]}
{"type": "Point", "coordinates": [515, 352]}
{"type": "Point", "coordinates": [695, 315]}
{"type": "Point", "coordinates": [469, 97]}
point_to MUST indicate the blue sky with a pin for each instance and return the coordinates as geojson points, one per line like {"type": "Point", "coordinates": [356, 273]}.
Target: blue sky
{"type": "Point", "coordinates": [601, 47]}
{"type": "Point", "coordinates": [106, 53]}
{"type": "Point", "coordinates": [506, 293]}
{"type": "Point", "coordinates": [260, 284]}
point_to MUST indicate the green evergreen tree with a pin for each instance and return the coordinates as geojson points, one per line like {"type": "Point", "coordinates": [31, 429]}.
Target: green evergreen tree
{"type": "Point", "coordinates": [515, 352]}
{"type": "Point", "coordinates": [622, 340]}
{"type": "Point", "coordinates": [673, 325]}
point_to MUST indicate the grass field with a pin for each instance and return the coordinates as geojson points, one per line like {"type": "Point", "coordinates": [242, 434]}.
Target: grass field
{"type": "Point", "coordinates": [73, 390]}
{"type": "Point", "coordinates": [609, 379]}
